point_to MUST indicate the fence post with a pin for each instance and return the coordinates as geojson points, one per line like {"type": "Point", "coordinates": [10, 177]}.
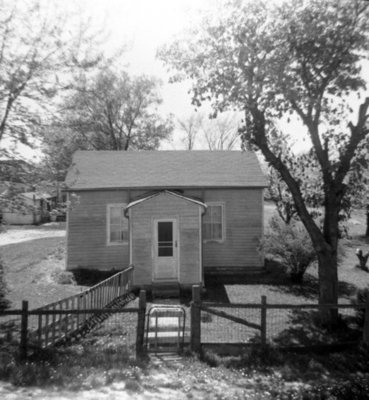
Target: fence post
{"type": "Point", "coordinates": [196, 319]}
{"type": "Point", "coordinates": [366, 322]}
{"type": "Point", "coordinates": [24, 330]}
{"type": "Point", "coordinates": [141, 324]}
{"type": "Point", "coordinates": [263, 320]}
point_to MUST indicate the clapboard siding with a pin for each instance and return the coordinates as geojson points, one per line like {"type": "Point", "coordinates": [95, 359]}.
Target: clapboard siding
{"type": "Point", "coordinates": [244, 227]}
{"type": "Point", "coordinates": [188, 219]}
{"type": "Point", "coordinates": [87, 232]}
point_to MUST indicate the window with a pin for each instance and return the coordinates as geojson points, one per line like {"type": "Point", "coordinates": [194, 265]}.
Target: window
{"type": "Point", "coordinates": [213, 227]}
{"type": "Point", "coordinates": [117, 224]}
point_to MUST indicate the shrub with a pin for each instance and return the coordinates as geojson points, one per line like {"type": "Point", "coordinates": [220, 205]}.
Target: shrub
{"type": "Point", "coordinates": [291, 245]}
{"type": "Point", "coordinates": [64, 278]}
{"type": "Point", "coordinates": [4, 303]}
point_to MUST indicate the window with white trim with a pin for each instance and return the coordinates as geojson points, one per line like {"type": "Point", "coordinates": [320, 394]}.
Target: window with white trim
{"type": "Point", "coordinates": [213, 222]}
{"type": "Point", "coordinates": [117, 224]}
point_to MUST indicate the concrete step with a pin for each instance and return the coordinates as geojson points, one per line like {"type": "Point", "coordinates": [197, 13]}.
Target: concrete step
{"type": "Point", "coordinates": [167, 337]}
{"type": "Point", "coordinates": [165, 289]}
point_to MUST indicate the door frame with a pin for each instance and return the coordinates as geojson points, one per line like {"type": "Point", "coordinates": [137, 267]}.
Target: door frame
{"type": "Point", "coordinates": [176, 247]}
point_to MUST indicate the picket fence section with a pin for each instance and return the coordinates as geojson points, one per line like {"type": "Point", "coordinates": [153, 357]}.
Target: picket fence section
{"type": "Point", "coordinates": [72, 316]}
{"type": "Point", "coordinates": [58, 331]}
{"type": "Point", "coordinates": [54, 321]}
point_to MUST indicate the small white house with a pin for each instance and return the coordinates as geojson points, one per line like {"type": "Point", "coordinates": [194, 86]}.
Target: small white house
{"type": "Point", "coordinates": [34, 209]}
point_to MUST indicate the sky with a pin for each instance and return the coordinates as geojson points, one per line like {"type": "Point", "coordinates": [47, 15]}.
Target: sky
{"type": "Point", "coordinates": [143, 26]}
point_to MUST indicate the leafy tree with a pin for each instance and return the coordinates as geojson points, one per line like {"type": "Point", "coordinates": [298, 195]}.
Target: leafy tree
{"type": "Point", "coordinates": [301, 58]}
{"type": "Point", "coordinates": [40, 45]}
{"type": "Point", "coordinates": [114, 111]}
{"type": "Point", "coordinates": [59, 145]}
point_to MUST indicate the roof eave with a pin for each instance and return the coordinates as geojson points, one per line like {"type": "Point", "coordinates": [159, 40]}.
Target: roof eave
{"type": "Point", "coordinates": [82, 189]}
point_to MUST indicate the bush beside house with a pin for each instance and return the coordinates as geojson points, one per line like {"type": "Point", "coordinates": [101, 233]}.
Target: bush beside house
{"type": "Point", "coordinates": [291, 245]}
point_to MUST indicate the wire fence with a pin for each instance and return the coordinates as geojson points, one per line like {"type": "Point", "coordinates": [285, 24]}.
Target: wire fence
{"type": "Point", "coordinates": [283, 325]}
{"type": "Point", "coordinates": [118, 330]}
{"type": "Point", "coordinates": [116, 326]}
{"type": "Point", "coordinates": [122, 325]}
{"type": "Point", "coordinates": [51, 324]}
{"type": "Point", "coordinates": [217, 329]}
{"type": "Point", "coordinates": [10, 329]}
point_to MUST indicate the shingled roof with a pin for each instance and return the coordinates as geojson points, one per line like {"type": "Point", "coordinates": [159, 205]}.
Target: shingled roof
{"type": "Point", "coordinates": [164, 169]}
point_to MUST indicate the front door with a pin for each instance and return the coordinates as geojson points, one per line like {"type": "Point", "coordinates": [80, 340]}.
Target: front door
{"type": "Point", "coordinates": [165, 250]}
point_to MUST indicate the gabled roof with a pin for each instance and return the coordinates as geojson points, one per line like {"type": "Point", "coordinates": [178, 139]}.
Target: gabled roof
{"type": "Point", "coordinates": [164, 169]}
{"type": "Point", "coordinates": [186, 198]}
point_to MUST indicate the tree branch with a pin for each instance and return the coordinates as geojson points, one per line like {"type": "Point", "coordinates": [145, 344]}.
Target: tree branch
{"type": "Point", "coordinates": [358, 133]}
{"type": "Point", "coordinates": [261, 142]}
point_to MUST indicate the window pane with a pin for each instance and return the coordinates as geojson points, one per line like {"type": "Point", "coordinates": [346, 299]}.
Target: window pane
{"type": "Point", "coordinates": [207, 231]}
{"type": "Point", "coordinates": [165, 231]}
{"type": "Point", "coordinates": [115, 234]}
{"type": "Point", "coordinates": [213, 223]}
{"type": "Point", "coordinates": [165, 251]}
{"type": "Point", "coordinates": [217, 231]}
{"type": "Point", "coordinates": [124, 235]}
{"type": "Point", "coordinates": [207, 216]}
{"type": "Point", "coordinates": [115, 215]}
{"type": "Point", "coordinates": [118, 224]}
{"type": "Point", "coordinates": [216, 214]}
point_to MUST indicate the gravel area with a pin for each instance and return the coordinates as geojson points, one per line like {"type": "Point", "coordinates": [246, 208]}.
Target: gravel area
{"type": "Point", "coordinates": [18, 235]}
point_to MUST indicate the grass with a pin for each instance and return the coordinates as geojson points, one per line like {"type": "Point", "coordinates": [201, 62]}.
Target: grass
{"type": "Point", "coordinates": [32, 269]}
{"type": "Point", "coordinates": [284, 375]}
{"type": "Point", "coordinates": [96, 361]}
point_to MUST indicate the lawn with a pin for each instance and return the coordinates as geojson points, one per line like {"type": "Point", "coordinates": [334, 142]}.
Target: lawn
{"type": "Point", "coordinates": [34, 269]}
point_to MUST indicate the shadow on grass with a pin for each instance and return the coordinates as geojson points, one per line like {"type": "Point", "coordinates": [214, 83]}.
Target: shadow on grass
{"type": "Point", "coordinates": [275, 275]}
{"type": "Point", "coordinates": [216, 291]}
{"type": "Point", "coordinates": [306, 328]}
{"type": "Point", "coordinates": [327, 371]}
{"type": "Point", "coordinates": [310, 288]}
{"type": "Point", "coordinates": [304, 350]}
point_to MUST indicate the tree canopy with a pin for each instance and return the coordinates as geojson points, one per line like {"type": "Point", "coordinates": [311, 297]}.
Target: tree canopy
{"type": "Point", "coordinates": [300, 58]}
{"type": "Point", "coordinates": [40, 45]}
{"type": "Point", "coordinates": [108, 111]}
{"type": "Point", "coordinates": [117, 111]}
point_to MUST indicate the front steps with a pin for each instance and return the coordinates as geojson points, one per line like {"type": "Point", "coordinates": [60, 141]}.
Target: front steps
{"type": "Point", "coordinates": [165, 289]}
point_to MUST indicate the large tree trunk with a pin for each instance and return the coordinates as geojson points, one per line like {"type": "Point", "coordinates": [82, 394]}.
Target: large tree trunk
{"type": "Point", "coordinates": [328, 284]}
{"type": "Point", "coordinates": [327, 257]}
